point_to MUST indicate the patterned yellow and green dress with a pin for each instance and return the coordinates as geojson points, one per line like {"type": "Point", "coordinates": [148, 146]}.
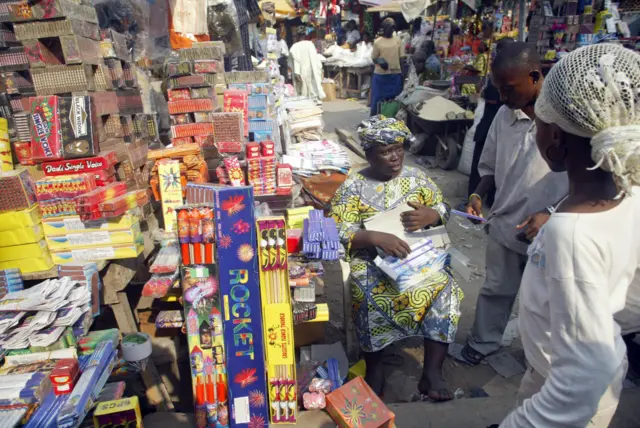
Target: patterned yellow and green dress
{"type": "Point", "coordinates": [383, 315]}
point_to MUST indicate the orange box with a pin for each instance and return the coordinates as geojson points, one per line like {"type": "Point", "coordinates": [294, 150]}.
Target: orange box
{"type": "Point", "coordinates": [355, 405]}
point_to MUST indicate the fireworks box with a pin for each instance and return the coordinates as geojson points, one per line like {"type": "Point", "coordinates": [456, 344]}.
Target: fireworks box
{"type": "Point", "coordinates": [17, 252]}
{"type": "Point", "coordinates": [21, 11]}
{"type": "Point", "coordinates": [129, 101]}
{"type": "Point", "coordinates": [23, 235]}
{"type": "Point", "coordinates": [32, 264]}
{"type": "Point", "coordinates": [17, 190]}
{"type": "Point", "coordinates": [208, 66]}
{"type": "Point", "coordinates": [42, 53]}
{"type": "Point", "coordinates": [179, 94]}
{"type": "Point", "coordinates": [80, 50]}
{"type": "Point", "coordinates": [17, 82]}
{"type": "Point", "coordinates": [178, 68]}
{"type": "Point", "coordinates": [73, 224]}
{"type": "Point", "coordinates": [188, 106]}
{"type": "Point", "coordinates": [96, 239]}
{"type": "Point", "coordinates": [239, 286]}
{"type": "Point", "coordinates": [109, 252]}
{"type": "Point", "coordinates": [11, 220]}
{"type": "Point", "coordinates": [79, 136]}
{"type": "Point", "coordinates": [63, 27]}
{"type": "Point", "coordinates": [179, 82]}
{"type": "Point", "coordinates": [15, 59]}
{"type": "Point", "coordinates": [7, 36]}
{"type": "Point", "coordinates": [236, 101]}
{"type": "Point", "coordinates": [202, 53]}
{"type": "Point", "coordinates": [246, 77]}
{"type": "Point", "coordinates": [191, 129]}
{"type": "Point", "coordinates": [203, 315]}
{"type": "Point", "coordinates": [356, 405]}
{"type": "Point", "coordinates": [125, 412]}
{"type": "Point", "coordinates": [60, 79]}
{"type": "Point", "coordinates": [203, 92]}
{"type": "Point", "coordinates": [258, 107]}
{"type": "Point", "coordinates": [105, 102]}
{"type": "Point", "coordinates": [116, 72]}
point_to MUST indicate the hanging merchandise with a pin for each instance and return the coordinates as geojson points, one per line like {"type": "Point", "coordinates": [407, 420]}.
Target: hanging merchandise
{"type": "Point", "coordinates": [222, 21]}
{"type": "Point", "coordinates": [189, 16]}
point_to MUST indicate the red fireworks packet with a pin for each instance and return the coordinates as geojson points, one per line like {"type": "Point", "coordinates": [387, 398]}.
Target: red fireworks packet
{"type": "Point", "coordinates": [238, 101]}
{"type": "Point", "coordinates": [101, 162]}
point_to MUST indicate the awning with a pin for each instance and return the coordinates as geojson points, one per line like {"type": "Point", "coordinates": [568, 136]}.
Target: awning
{"type": "Point", "coordinates": [283, 8]}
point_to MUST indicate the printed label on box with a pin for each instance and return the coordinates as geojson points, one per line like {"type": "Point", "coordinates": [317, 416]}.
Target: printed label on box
{"type": "Point", "coordinates": [89, 238]}
{"type": "Point", "coordinates": [74, 224]}
{"type": "Point", "coordinates": [94, 253]}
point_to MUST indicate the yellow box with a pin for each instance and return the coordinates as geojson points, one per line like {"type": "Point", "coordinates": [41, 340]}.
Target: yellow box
{"type": "Point", "coordinates": [123, 412]}
{"type": "Point", "coordinates": [34, 264]}
{"type": "Point", "coordinates": [110, 252]}
{"type": "Point", "coordinates": [72, 224]}
{"type": "Point", "coordinates": [96, 239]}
{"type": "Point", "coordinates": [10, 220]}
{"type": "Point", "coordinates": [26, 251]}
{"type": "Point", "coordinates": [23, 235]}
{"type": "Point", "coordinates": [6, 160]}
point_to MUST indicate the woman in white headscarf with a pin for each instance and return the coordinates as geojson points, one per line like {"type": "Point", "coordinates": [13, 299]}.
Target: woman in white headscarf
{"type": "Point", "coordinates": [584, 258]}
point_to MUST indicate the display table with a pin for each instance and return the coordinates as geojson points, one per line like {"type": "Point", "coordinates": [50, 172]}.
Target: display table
{"type": "Point", "coordinates": [348, 79]}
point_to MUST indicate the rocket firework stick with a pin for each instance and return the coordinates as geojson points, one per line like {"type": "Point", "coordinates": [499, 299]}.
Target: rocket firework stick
{"type": "Point", "coordinates": [183, 235]}
{"type": "Point", "coordinates": [207, 233]}
{"type": "Point", "coordinates": [195, 235]}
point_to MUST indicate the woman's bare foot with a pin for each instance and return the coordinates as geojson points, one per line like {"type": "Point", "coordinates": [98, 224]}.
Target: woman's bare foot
{"type": "Point", "coordinates": [433, 385]}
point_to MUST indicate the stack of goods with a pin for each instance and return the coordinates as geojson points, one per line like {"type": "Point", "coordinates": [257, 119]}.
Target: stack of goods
{"type": "Point", "coordinates": [72, 240]}
{"type": "Point", "coordinates": [87, 275]}
{"type": "Point", "coordinates": [311, 157]}
{"type": "Point", "coordinates": [320, 237]}
{"type": "Point", "coordinates": [10, 281]}
{"type": "Point", "coordinates": [372, 412]}
{"type": "Point", "coordinates": [278, 322]}
{"type": "Point", "coordinates": [61, 307]}
{"type": "Point", "coordinates": [22, 244]}
{"type": "Point", "coordinates": [264, 173]}
{"type": "Point", "coordinates": [304, 121]}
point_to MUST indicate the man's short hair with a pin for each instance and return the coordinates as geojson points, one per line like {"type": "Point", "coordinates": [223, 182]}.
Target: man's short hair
{"type": "Point", "coordinates": [516, 54]}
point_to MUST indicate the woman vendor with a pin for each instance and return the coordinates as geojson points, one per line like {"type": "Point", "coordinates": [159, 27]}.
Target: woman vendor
{"type": "Point", "coordinates": [387, 76]}
{"type": "Point", "coordinates": [383, 315]}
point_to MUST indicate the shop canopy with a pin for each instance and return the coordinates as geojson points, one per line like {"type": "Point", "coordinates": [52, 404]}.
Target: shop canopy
{"type": "Point", "coordinates": [410, 9]}
{"type": "Point", "coordinates": [284, 9]}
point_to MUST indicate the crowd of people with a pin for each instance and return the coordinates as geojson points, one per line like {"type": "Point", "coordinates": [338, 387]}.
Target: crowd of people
{"type": "Point", "coordinates": [556, 164]}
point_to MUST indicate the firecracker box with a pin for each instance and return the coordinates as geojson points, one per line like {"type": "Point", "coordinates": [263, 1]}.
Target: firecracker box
{"type": "Point", "coordinates": [109, 252]}
{"type": "Point", "coordinates": [17, 219]}
{"type": "Point", "coordinates": [80, 50]}
{"type": "Point", "coordinates": [204, 329]}
{"type": "Point", "coordinates": [62, 27]}
{"type": "Point", "coordinates": [31, 264]}
{"type": "Point", "coordinates": [17, 190]}
{"type": "Point", "coordinates": [178, 68]}
{"type": "Point", "coordinates": [23, 152]}
{"type": "Point", "coordinates": [201, 52]}
{"type": "Point", "coordinates": [125, 412]}
{"type": "Point", "coordinates": [246, 77]}
{"type": "Point", "coordinates": [73, 224]}
{"type": "Point", "coordinates": [185, 81]}
{"type": "Point", "coordinates": [192, 105]}
{"type": "Point", "coordinates": [46, 139]}
{"type": "Point", "coordinates": [203, 92]}
{"type": "Point", "coordinates": [79, 136]}
{"type": "Point", "coordinates": [129, 101]}
{"type": "Point", "coordinates": [229, 146]}
{"type": "Point", "coordinates": [179, 94]}
{"type": "Point", "coordinates": [355, 405]}
{"type": "Point", "coordinates": [65, 78]}
{"type": "Point", "coordinates": [21, 236]}
{"type": "Point", "coordinates": [116, 72]}
{"type": "Point", "coordinates": [64, 375]}
{"type": "Point", "coordinates": [15, 59]}
{"type": "Point", "coordinates": [119, 42]}
{"type": "Point", "coordinates": [208, 66]}
{"type": "Point", "coordinates": [239, 285]}
{"type": "Point", "coordinates": [131, 236]}
{"type": "Point", "coordinates": [191, 129]}
{"type": "Point", "coordinates": [206, 141]}
{"type": "Point", "coordinates": [228, 127]}
{"type": "Point", "coordinates": [105, 102]}
{"type": "Point", "coordinates": [42, 53]}
{"type": "Point", "coordinates": [24, 251]}
{"type": "Point", "coordinates": [17, 82]}
{"type": "Point", "coordinates": [51, 9]}
{"type": "Point", "coordinates": [237, 101]}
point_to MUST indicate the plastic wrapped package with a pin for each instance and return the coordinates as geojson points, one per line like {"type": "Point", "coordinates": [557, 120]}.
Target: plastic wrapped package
{"type": "Point", "coordinates": [222, 20]}
{"type": "Point", "coordinates": [145, 24]}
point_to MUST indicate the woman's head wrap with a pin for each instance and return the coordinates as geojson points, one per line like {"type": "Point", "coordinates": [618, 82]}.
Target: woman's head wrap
{"type": "Point", "coordinates": [381, 131]}
{"type": "Point", "coordinates": [594, 92]}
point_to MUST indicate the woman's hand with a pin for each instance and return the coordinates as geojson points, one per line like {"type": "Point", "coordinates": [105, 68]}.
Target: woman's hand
{"type": "Point", "coordinates": [390, 244]}
{"type": "Point", "coordinates": [421, 217]}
